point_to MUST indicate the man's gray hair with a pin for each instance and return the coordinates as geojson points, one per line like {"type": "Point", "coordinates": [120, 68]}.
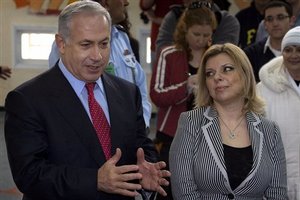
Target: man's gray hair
{"type": "Point", "coordinates": [79, 7]}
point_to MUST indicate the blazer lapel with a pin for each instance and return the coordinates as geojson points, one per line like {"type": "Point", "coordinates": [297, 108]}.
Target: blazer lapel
{"type": "Point", "coordinates": [212, 135]}
{"type": "Point", "coordinates": [71, 108]}
{"type": "Point", "coordinates": [211, 132]}
{"type": "Point", "coordinates": [256, 137]}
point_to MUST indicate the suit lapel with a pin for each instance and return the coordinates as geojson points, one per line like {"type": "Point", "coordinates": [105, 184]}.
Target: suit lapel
{"type": "Point", "coordinates": [115, 103]}
{"type": "Point", "coordinates": [71, 108]}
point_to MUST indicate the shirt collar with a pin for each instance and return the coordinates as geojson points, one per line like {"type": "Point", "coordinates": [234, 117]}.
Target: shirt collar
{"type": "Point", "coordinates": [268, 45]}
{"type": "Point", "coordinates": [77, 85]}
{"type": "Point", "coordinates": [114, 32]}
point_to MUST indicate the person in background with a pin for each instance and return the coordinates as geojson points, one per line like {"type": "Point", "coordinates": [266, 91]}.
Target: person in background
{"type": "Point", "coordinates": [5, 72]}
{"type": "Point", "coordinates": [174, 79]}
{"type": "Point", "coordinates": [227, 30]}
{"type": "Point", "coordinates": [75, 131]}
{"type": "Point", "coordinates": [223, 4]}
{"type": "Point", "coordinates": [280, 87]}
{"type": "Point", "coordinates": [225, 148]}
{"type": "Point", "coordinates": [125, 26]}
{"type": "Point", "coordinates": [249, 19]}
{"type": "Point", "coordinates": [155, 10]}
{"type": "Point", "coordinates": [278, 20]}
{"type": "Point", "coordinates": [295, 4]}
{"type": "Point", "coordinates": [122, 62]}
{"type": "Point", "coordinates": [296, 10]}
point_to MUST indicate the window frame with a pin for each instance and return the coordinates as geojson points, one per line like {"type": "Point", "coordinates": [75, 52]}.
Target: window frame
{"type": "Point", "coordinates": [18, 30]}
{"type": "Point", "coordinates": [144, 33]}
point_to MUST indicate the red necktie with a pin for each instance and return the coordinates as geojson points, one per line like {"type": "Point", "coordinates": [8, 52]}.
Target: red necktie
{"type": "Point", "coordinates": [99, 121]}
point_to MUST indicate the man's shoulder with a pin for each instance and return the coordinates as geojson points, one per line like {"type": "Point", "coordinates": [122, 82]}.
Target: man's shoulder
{"type": "Point", "coordinates": [120, 28]}
{"type": "Point", "coordinates": [257, 46]}
{"type": "Point", "coordinates": [42, 80]}
{"type": "Point", "coordinates": [177, 10]}
{"type": "Point", "coordinates": [226, 18]}
{"type": "Point", "coordinates": [251, 10]}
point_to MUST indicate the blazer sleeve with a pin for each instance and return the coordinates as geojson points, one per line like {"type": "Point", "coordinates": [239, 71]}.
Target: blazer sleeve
{"type": "Point", "coordinates": [181, 162]}
{"type": "Point", "coordinates": [278, 186]}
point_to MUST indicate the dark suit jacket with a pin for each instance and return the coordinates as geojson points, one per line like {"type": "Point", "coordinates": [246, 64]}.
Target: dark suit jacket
{"type": "Point", "coordinates": [52, 146]}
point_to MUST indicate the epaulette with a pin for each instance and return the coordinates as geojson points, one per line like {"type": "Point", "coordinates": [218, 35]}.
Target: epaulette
{"type": "Point", "coordinates": [120, 28]}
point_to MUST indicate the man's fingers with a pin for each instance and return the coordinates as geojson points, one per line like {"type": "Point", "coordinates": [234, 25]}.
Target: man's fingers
{"type": "Point", "coordinates": [160, 165]}
{"type": "Point", "coordinates": [165, 173]}
{"type": "Point", "coordinates": [163, 182]}
{"type": "Point", "coordinates": [130, 177]}
{"type": "Point", "coordinates": [128, 193]}
{"type": "Point", "coordinates": [161, 191]}
{"type": "Point", "coordinates": [127, 169]}
{"type": "Point", "coordinates": [140, 155]}
{"type": "Point", "coordinates": [128, 186]}
{"type": "Point", "coordinates": [116, 157]}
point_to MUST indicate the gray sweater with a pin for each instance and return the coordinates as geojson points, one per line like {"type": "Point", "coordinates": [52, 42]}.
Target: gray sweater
{"type": "Point", "coordinates": [228, 29]}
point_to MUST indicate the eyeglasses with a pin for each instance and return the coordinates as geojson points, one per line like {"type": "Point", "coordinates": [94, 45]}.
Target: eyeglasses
{"type": "Point", "coordinates": [278, 18]}
{"type": "Point", "coordinates": [200, 4]}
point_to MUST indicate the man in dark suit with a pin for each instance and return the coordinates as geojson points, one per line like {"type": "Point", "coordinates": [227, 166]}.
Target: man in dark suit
{"type": "Point", "coordinates": [52, 145]}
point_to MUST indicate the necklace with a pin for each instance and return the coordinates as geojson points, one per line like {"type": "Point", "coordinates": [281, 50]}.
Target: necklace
{"type": "Point", "coordinates": [232, 134]}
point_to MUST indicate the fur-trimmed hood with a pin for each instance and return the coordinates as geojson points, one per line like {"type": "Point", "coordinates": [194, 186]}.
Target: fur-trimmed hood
{"type": "Point", "coordinates": [274, 76]}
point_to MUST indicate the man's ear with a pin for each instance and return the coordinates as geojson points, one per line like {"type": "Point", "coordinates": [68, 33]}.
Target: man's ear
{"type": "Point", "coordinates": [292, 21]}
{"type": "Point", "coordinates": [60, 43]}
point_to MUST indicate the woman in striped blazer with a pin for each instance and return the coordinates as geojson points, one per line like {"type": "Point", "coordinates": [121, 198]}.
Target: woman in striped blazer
{"type": "Point", "coordinates": [225, 148]}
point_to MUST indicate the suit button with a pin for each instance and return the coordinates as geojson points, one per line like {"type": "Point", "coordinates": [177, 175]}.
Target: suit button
{"type": "Point", "coordinates": [230, 196]}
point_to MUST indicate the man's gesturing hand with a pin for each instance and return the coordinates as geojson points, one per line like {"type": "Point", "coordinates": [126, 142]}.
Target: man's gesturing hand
{"type": "Point", "coordinates": [116, 179]}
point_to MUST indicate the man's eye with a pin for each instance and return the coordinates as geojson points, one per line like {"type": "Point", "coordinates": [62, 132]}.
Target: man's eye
{"type": "Point", "coordinates": [85, 44]}
{"type": "Point", "coordinates": [104, 45]}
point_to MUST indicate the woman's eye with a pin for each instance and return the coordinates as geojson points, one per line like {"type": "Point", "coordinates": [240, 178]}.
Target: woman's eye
{"type": "Point", "coordinates": [228, 68]}
{"type": "Point", "coordinates": [209, 74]}
{"type": "Point", "coordinates": [287, 50]}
